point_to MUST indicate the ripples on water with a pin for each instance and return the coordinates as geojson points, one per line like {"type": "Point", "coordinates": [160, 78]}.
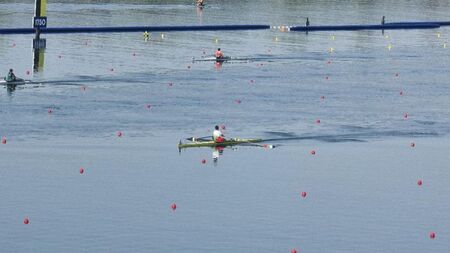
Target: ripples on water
{"type": "Point", "coordinates": [361, 183]}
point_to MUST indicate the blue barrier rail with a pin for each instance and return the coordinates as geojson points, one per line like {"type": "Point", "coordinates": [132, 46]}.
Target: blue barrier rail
{"type": "Point", "coordinates": [387, 26]}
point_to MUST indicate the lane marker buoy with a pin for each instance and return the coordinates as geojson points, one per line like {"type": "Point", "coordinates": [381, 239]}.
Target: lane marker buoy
{"type": "Point", "coordinates": [432, 235]}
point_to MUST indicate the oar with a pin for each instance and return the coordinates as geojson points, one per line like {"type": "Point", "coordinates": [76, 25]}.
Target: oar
{"type": "Point", "coordinates": [269, 146]}
{"type": "Point", "coordinates": [204, 138]}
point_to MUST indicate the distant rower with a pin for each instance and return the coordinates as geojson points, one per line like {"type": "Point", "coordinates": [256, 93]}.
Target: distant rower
{"type": "Point", "coordinates": [200, 3]}
{"type": "Point", "coordinates": [218, 54]}
{"type": "Point", "coordinates": [10, 77]}
{"type": "Point", "coordinates": [218, 135]}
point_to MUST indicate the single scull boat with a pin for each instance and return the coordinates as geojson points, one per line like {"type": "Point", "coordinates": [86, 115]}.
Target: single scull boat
{"type": "Point", "coordinates": [211, 143]}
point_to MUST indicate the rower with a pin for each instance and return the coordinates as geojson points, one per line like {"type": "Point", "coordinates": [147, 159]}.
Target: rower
{"type": "Point", "coordinates": [382, 20]}
{"type": "Point", "coordinates": [218, 135]}
{"type": "Point", "coordinates": [307, 21]}
{"type": "Point", "coordinates": [218, 54]}
{"type": "Point", "coordinates": [200, 3]}
{"type": "Point", "coordinates": [10, 77]}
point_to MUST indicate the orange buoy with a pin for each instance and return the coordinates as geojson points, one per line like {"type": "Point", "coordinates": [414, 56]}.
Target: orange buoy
{"type": "Point", "coordinates": [81, 170]}
{"type": "Point", "coordinates": [419, 182]}
{"type": "Point", "coordinates": [26, 221]}
{"type": "Point", "coordinates": [304, 194]}
{"type": "Point", "coordinates": [432, 235]}
{"type": "Point", "coordinates": [173, 206]}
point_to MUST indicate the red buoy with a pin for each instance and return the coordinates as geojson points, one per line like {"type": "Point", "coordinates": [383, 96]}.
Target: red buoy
{"type": "Point", "coordinates": [318, 121]}
{"type": "Point", "coordinates": [419, 182]}
{"type": "Point", "coordinates": [203, 161]}
{"type": "Point", "coordinates": [173, 206]}
{"type": "Point", "coordinates": [170, 84]}
{"type": "Point", "coordinates": [26, 221]}
{"type": "Point", "coordinates": [432, 235]}
{"type": "Point", "coordinates": [293, 251]}
{"type": "Point", "coordinates": [50, 110]}
{"type": "Point", "coordinates": [119, 134]}
{"type": "Point", "coordinates": [3, 140]}
{"type": "Point", "coordinates": [322, 97]}
{"type": "Point", "coordinates": [238, 101]}
{"type": "Point", "coordinates": [223, 127]}
{"type": "Point", "coordinates": [412, 144]}
{"type": "Point", "coordinates": [304, 194]}
{"type": "Point", "coordinates": [401, 93]}
{"type": "Point", "coordinates": [405, 115]}
{"type": "Point", "coordinates": [252, 81]}
{"type": "Point", "coordinates": [81, 170]}
{"type": "Point", "coordinates": [313, 152]}
{"type": "Point", "coordinates": [28, 72]}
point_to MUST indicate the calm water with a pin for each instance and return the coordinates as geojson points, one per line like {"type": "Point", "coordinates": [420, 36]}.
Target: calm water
{"type": "Point", "coordinates": [362, 194]}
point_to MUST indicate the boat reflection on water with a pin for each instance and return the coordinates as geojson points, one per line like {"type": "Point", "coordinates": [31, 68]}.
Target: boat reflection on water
{"type": "Point", "coordinates": [217, 151]}
{"type": "Point", "coordinates": [218, 65]}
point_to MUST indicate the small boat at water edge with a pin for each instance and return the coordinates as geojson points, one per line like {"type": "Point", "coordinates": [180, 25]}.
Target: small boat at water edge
{"type": "Point", "coordinates": [18, 81]}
